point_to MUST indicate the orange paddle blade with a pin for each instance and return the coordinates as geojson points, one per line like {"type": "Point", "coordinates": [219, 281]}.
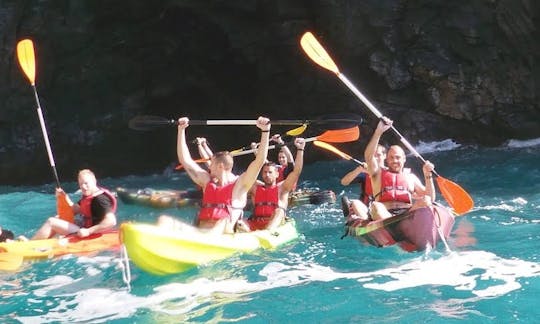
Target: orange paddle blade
{"type": "Point", "coordinates": [10, 262]}
{"type": "Point", "coordinates": [27, 59]}
{"type": "Point", "coordinates": [340, 135]}
{"type": "Point", "coordinates": [64, 209]}
{"type": "Point", "coordinates": [456, 196]}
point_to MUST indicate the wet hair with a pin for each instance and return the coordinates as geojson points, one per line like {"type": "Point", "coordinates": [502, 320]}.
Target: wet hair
{"type": "Point", "coordinates": [6, 235]}
{"type": "Point", "coordinates": [224, 157]}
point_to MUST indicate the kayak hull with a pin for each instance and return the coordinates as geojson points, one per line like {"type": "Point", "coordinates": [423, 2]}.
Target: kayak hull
{"type": "Point", "coordinates": [162, 251]}
{"type": "Point", "coordinates": [54, 247]}
{"type": "Point", "coordinates": [416, 230]}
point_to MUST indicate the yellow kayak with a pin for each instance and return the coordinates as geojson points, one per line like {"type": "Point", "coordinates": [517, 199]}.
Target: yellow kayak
{"type": "Point", "coordinates": [48, 248]}
{"type": "Point", "coordinates": [163, 251]}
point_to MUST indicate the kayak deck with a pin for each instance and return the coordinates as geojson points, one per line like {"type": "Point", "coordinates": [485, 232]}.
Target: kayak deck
{"type": "Point", "coordinates": [163, 251]}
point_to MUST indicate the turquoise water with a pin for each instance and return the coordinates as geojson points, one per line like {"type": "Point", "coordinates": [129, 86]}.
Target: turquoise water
{"type": "Point", "coordinates": [491, 274]}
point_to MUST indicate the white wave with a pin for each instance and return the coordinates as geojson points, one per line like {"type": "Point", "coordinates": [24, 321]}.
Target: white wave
{"type": "Point", "coordinates": [428, 147]}
{"type": "Point", "coordinates": [523, 143]}
{"type": "Point", "coordinates": [483, 274]}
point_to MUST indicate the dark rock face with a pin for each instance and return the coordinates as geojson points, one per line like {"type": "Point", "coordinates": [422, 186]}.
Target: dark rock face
{"type": "Point", "coordinates": [466, 70]}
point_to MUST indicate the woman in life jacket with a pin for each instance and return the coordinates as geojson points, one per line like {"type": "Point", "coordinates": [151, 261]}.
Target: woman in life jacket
{"type": "Point", "coordinates": [285, 158]}
{"type": "Point", "coordinates": [95, 211]}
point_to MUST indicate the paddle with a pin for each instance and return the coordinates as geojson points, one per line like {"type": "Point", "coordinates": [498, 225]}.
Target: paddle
{"type": "Point", "coordinates": [146, 122]}
{"type": "Point", "coordinates": [455, 195]}
{"type": "Point", "coordinates": [332, 136]}
{"type": "Point", "coordinates": [334, 149]}
{"type": "Point", "coordinates": [201, 160]}
{"type": "Point", "coordinates": [293, 132]}
{"type": "Point", "coordinates": [27, 61]}
{"type": "Point", "coordinates": [10, 261]}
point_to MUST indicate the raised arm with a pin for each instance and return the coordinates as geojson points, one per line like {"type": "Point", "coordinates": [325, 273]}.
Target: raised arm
{"type": "Point", "coordinates": [248, 178]}
{"type": "Point", "coordinates": [200, 176]}
{"type": "Point", "coordinates": [204, 150]}
{"type": "Point", "coordinates": [349, 177]}
{"type": "Point", "coordinates": [429, 188]}
{"type": "Point", "coordinates": [277, 138]}
{"type": "Point", "coordinates": [289, 182]}
{"type": "Point", "coordinates": [369, 154]}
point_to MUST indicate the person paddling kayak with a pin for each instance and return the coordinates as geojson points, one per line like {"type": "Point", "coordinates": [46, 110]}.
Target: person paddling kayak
{"type": "Point", "coordinates": [96, 209]}
{"type": "Point", "coordinates": [6, 235]}
{"type": "Point", "coordinates": [395, 188]}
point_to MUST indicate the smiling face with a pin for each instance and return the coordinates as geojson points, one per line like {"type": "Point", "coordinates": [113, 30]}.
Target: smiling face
{"type": "Point", "coordinates": [395, 159]}
{"type": "Point", "coordinates": [282, 158]}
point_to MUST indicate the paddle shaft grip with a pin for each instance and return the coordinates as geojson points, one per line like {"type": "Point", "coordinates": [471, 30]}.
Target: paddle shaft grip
{"type": "Point", "coordinates": [271, 147]}
{"type": "Point", "coordinates": [239, 122]}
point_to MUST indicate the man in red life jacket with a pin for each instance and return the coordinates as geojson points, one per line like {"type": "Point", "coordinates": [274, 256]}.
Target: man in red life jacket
{"type": "Point", "coordinates": [270, 197]}
{"type": "Point", "coordinates": [96, 207]}
{"type": "Point", "coordinates": [395, 187]}
{"type": "Point", "coordinates": [225, 194]}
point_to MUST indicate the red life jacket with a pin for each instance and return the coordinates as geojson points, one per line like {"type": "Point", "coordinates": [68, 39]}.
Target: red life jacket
{"type": "Point", "coordinates": [281, 173]}
{"type": "Point", "coordinates": [266, 201]}
{"type": "Point", "coordinates": [85, 205]}
{"type": "Point", "coordinates": [394, 186]}
{"type": "Point", "coordinates": [367, 192]}
{"type": "Point", "coordinates": [216, 202]}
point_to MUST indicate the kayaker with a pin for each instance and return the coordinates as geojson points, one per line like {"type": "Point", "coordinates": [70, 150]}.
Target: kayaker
{"type": "Point", "coordinates": [285, 159]}
{"type": "Point", "coordinates": [360, 175]}
{"type": "Point", "coordinates": [357, 209]}
{"type": "Point", "coordinates": [95, 211]}
{"type": "Point", "coordinates": [225, 194]}
{"type": "Point", "coordinates": [396, 188]}
{"type": "Point", "coordinates": [6, 235]}
{"type": "Point", "coordinates": [270, 197]}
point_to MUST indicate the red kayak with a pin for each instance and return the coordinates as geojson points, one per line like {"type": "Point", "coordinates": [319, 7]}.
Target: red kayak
{"type": "Point", "coordinates": [415, 230]}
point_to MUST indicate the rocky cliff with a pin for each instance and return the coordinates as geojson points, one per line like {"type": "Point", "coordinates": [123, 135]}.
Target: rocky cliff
{"type": "Point", "coordinates": [466, 70]}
